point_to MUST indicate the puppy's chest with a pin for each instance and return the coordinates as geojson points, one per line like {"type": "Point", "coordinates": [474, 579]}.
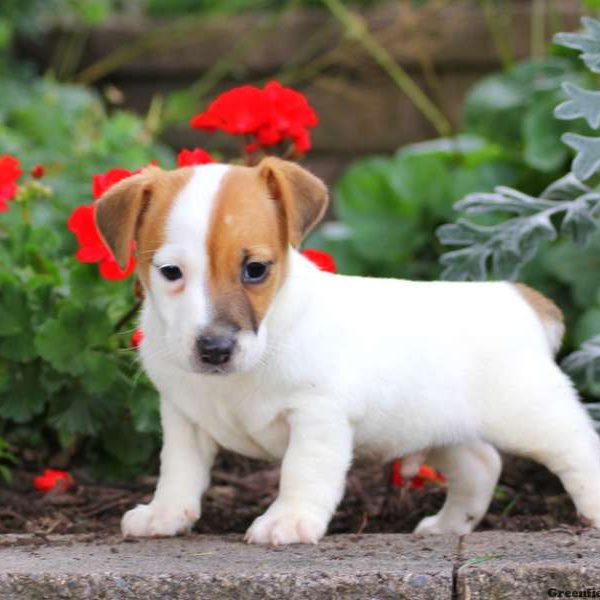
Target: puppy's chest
{"type": "Point", "coordinates": [249, 426]}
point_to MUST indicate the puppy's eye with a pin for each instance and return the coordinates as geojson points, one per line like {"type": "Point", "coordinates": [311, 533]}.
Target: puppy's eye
{"type": "Point", "coordinates": [255, 272]}
{"type": "Point", "coordinates": [171, 272]}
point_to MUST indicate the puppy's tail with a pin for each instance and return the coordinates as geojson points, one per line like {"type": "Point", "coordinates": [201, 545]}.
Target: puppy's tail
{"type": "Point", "coordinates": [548, 313]}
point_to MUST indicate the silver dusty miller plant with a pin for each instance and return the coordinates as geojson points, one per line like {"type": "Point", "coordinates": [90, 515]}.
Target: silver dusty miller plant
{"type": "Point", "coordinates": [569, 207]}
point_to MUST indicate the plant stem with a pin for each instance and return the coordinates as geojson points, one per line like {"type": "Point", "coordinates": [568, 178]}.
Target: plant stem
{"type": "Point", "coordinates": [495, 25]}
{"type": "Point", "coordinates": [538, 29]}
{"type": "Point", "coordinates": [127, 316]}
{"type": "Point", "coordinates": [356, 28]}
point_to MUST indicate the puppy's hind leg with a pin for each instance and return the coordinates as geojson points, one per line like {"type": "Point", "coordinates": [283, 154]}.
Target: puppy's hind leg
{"type": "Point", "coordinates": [472, 471]}
{"type": "Point", "coordinates": [552, 427]}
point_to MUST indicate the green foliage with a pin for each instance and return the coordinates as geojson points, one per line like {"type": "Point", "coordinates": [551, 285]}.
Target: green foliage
{"type": "Point", "coordinates": [64, 371]}
{"type": "Point", "coordinates": [567, 207]}
{"type": "Point", "coordinates": [567, 210]}
{"type": "Point", "coordinates": [32, 16]}
{"type": "Point", "coordinates": [389, 208]}
{"type": "Point", "coordinates": [515, 110]}
{"type": "Point", "coordinates": [6, 456]}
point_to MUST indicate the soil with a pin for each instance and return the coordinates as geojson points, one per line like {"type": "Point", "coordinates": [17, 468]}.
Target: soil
{"type": "Point", "coordinates": [528, 498]}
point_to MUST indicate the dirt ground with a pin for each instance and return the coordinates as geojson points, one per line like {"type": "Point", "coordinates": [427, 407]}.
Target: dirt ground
{"type": "Point", "coordinates": [528, 498]}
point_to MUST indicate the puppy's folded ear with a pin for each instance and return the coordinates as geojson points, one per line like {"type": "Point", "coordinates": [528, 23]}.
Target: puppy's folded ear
{"type": "Point", "coordinates": [119, 212]}
{"type": "Point", "coordinates": [303, 196]}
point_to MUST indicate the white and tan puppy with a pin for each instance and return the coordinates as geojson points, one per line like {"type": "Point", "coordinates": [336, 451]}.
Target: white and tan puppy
{"type": "Point", "coordinates": [254, 349]}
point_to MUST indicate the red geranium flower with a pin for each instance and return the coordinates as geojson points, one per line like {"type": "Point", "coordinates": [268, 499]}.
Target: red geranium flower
{"type": "Point", "coordinates": [136, 338]}
{"type": "Point", "coordinates": [197, 156]}
{"type": "Point", "coordinates": [272, 115]}
{"type": "Point", "coordinates": [102, 182]}
{"type": "Point", "coordinates": [38, 171]}
{"type": "Point", "coordinates": [53, 478]}
{"type": "Point", "coordinates": [425, 475]}
{"type": "Point", "coordinates": [238, 111]}
{"type": "Point", "coordinates": [10, 171]}
{"type": "Point", "coordinates": [82, 223]}
{"type": "Point", "coordinates": [92, 248]}
{"type": "Point", "coordinates": [323, 260]}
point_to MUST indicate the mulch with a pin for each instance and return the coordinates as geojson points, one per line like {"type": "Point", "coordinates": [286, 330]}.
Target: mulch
{"type": "Point", "coordinates": [528, 498]}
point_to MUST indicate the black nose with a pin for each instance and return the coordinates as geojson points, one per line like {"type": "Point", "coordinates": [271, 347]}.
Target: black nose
{"type": "Point", "coordinates": [215, 349]}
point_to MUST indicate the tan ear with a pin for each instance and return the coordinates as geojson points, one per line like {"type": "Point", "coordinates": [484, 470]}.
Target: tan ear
{"type": "Point", "coordinates": [303, 196]}
{"type": "Point", "coordinates": [120, 210]}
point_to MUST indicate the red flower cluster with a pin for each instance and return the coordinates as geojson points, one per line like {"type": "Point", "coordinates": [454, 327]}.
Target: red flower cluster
{"type": "Point", "coordinates": [53, 479]}
{"type": "Point", "coordinates": [197, 156]}
{"type": "Point", "coordinates": [82, 224]}
{"type": "Point", "coordinates": [10, 171]}
{"type": "Point", "coordinates": [272, 115]}
{"type": "Point", "coordinates": [323, 260]}
{"type": "Point", "coordinates": [102, 182]}
{"type": "Point", "coordinates": [425, 475]}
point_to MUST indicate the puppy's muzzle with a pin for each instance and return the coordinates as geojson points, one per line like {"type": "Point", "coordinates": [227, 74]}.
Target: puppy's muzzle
{"type": "Point", "coordinates": [214, 349]}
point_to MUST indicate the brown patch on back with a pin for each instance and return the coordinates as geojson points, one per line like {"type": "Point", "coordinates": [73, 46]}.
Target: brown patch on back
{"type": "Point", "coordinates": [546, 310]}
{"type": "Point", "coordinates": [246, 224]}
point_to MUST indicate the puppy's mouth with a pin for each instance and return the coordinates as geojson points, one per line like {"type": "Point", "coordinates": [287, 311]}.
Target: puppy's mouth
{"type": "Point", "coordinates": [214, 369]}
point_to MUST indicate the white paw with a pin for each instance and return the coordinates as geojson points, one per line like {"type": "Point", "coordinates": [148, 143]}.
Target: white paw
{"type": "Point", "coordinates": [152, 520]}
{"type": "Point", "coordinates": [437, 525]}
{"type": "Point", "coordinates": [281, 525]}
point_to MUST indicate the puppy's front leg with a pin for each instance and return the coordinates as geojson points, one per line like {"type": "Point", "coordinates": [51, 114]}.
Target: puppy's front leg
{"type": "Point", "coordinates": [313, 475]}
{"type": "Point", "coordinates": [186, 459]}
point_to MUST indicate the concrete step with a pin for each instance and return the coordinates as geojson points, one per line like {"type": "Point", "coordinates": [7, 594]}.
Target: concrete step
{"type": "Point", "coordinates": [479, 566]}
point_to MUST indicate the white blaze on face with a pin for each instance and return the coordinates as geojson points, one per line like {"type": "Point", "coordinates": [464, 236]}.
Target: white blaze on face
{"type": "Point", "coordinates": [184, 306]}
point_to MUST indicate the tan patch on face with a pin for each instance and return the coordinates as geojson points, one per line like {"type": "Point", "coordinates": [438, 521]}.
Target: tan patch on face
{"type": "Point", "coordinates": [246, 226]}
{"type": "Point", "coordinates": [163, 191]}
{"type": "Point", "coordinates": [544, 307]}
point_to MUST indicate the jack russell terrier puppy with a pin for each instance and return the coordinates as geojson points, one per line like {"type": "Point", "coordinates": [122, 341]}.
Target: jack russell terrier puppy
{"type": "Point", "coordinates": [254, 349]}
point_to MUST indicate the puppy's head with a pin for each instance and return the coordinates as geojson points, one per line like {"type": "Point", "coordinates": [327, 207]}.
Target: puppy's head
{"type": "Point", "coordinates": [212, 244]}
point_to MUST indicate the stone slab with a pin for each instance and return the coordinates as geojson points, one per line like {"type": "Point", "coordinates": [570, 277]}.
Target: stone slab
{"type": "Point", "coordinates": [349, 566]}
{"type": "Point", "coordinates": [503, 565]}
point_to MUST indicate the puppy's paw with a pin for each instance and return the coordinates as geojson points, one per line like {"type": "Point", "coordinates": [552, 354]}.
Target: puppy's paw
{"type": "Point", "coordinates": [281, 525]}
{"type": "Point", "coordinates": [154, 520]}
{"type": "Point", "coordinates": [437, 525]}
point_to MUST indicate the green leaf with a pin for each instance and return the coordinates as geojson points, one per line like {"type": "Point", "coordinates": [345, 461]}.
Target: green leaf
{"type": "Point", "coordinates": [68, 341]}
{"type": "Point", "coordinates": [584, 364]}
{"type": "Point", "coordinates": [100, 370]}
{"type": "Point", "coordinates": [77, 413]}
{"type": "Point", "coordinates": [582, 104]}
{"type": "Point", "coordinates": [579, 221]}
{"type": "Point", "coordinates": [587, 161]}
{"type": "Point", "coordinates": [144, 406]}
{"type": "Point", "coordinates": [129, 449]}
{"type": "Point", "coordinates": [541, 132]}
{"type": "Point", "coordinates": [24, 398]}
{"type": "Point", "coordinates": [578, 268]}
{"type": "Point", "coordinates": [565, 188]}
{"type": "Point", "coordinates": [508, 245]}
{"type": "Point", "coordinates": [16, 333]}
{"type": "Point", "coordinates": [14, 313]}
{"type": "Point", "coordinates": [588, 43]}
{"type": "Point", "coordinates": [587, 326]}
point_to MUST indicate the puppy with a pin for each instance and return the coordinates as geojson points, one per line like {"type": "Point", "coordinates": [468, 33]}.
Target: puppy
{"type": "Point", "coordinates": [256, 350]}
